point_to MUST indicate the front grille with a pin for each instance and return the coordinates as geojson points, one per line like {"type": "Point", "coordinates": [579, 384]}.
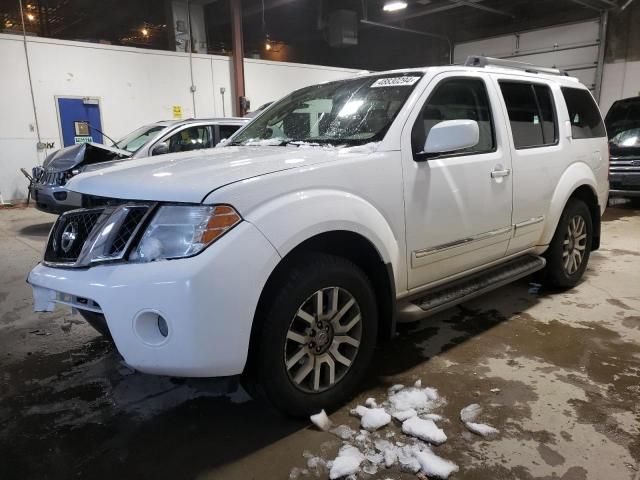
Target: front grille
{"type": "Point", "coordinates": [624, 165]}
{"type": "Point", "coordinates": [107, 232]}
{"type": "Point", "coordinates": [52, 178]}
{"type": "Point", "coordinates": [127, 229]}
{"type": "Point", "coordinates": [69, 234]}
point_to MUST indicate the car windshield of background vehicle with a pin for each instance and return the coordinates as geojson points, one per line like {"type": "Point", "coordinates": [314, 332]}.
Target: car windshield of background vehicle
{"type": "Point", "coordinates": [623, 124]}
{"type": "Point", "coordinates": [347, 112]}
{"type": "Point", "coordinates": [137, 138]}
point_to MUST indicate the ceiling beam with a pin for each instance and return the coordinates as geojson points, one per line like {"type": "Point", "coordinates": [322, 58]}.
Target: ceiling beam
{"type": "Point", "coordinates": [479, 6]}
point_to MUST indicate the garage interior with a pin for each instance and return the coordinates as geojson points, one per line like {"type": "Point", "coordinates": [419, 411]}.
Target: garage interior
{"type": "Point", "coordinates": [556, 372]}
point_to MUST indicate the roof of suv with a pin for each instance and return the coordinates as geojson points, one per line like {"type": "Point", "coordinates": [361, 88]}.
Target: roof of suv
{"type": "Point", "coordinates": [215, 120]}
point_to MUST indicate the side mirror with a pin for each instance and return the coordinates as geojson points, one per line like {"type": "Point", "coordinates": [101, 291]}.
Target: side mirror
{"type": "Point", "coordinates": [451, 135]}
{"type": "Point", "coordinates": [160, 149]}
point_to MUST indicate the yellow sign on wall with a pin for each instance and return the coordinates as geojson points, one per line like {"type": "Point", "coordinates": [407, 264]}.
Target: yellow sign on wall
{"type": "Point", "coordinates": [177, 111]}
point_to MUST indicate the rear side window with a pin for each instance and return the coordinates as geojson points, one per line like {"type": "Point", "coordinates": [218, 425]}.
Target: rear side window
{"type": "Point", "coordinates": [531, 114]}
{"type": "Point", "coordinates": [584, 115]}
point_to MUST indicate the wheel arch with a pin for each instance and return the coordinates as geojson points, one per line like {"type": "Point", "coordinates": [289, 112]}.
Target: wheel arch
{"type": "Point", "coordinates": [351, 246]}
{"type": "Point", "coordinates": [579, 182]}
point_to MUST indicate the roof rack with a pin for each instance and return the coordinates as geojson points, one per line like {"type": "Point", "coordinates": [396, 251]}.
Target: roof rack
{"type": "Point", "coordinates": [480, 61]}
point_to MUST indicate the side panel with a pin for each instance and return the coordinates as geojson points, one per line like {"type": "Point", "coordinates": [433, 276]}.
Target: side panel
{"type": "Point", "coordinates": [360, 192]}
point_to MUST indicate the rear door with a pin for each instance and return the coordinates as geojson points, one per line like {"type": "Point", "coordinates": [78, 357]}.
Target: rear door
{"type": "Point", "coordinates": [537, 151]}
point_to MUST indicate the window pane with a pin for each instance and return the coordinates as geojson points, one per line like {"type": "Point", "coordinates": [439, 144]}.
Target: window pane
{"type": "Point", "coordinates": [524, 115]}
{"type": "Point", "coordinates": [549, 122]}
{"type": "Point", "coordinates": [583, 114]}
{"type": "Point", "coordinates": [193, 138]}
{"type": "Point", "coordinates": [456, 99]}
{"type": "Point", "coordinates": [227, 130]}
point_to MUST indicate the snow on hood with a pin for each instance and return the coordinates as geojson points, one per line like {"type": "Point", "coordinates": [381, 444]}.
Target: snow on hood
{"type": "Point", "coordinates": [85, 153]}
{"type": "Point", "coordinates": [191, 176]}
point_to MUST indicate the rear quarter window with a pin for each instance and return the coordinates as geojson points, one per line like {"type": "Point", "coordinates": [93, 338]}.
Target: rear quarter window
{"type": "Point", "coordinates": [584, 114]}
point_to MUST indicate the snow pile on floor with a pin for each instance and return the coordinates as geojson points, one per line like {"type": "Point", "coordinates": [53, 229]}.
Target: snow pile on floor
{"type": "Point", "coordinates": [321, 421]}
{"type": "Point", "coordinates": [424, 430]}
{"type": "Point", "coordinates": [468, 414]}
{"type": "Point", "coordinates": [346, 463]}
{"type": "Point", "coordinates": [372, 418]}
{"type": "Point", "coordinates": [373, 449]}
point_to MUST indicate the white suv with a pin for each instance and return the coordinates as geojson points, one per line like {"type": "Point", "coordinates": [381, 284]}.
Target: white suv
{"type": "Point", "coordinates": [340, 210]}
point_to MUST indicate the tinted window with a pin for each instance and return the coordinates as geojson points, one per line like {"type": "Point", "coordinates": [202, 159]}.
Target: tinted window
{"type": "Point", "coordinates": [456, 99]}
{"type": "Point", "coordinates": [531, 114]}
{"type": "Point", "coordinates": [227, 130]}
{"type": "Point", "coordinates": [583, 114]}
{"type": "Point", "coordinates": [192, 138]}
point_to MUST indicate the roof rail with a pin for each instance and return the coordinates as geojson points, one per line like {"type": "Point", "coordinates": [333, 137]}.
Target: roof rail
{"type": "Point", "coordinates": [480, 61]}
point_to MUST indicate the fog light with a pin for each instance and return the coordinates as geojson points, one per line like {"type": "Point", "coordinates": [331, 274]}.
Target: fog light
{"type": "Point", "coordinates": [162, 326]}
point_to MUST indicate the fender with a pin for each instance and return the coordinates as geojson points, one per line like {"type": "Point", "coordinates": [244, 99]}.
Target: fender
{"type": "Point", "coordinates": [575, 176]}
{"type": "Point", "coordinates": [288, 220]}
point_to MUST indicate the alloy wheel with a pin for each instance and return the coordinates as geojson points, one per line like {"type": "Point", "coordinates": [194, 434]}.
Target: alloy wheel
{"type": "Point", "coordinates": [575, 243]}
{"type": "Point", "coordinates": [323, 340]}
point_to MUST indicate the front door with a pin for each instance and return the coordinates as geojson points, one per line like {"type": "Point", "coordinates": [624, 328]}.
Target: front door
{"type": "Point", "coordinates": [458, 205]}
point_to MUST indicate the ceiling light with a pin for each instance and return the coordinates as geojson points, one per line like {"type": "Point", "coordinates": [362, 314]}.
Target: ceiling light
{"type": "Point", "coordinates": [394, 6]}
{"type": "Point", "coordinates": [31, 17]}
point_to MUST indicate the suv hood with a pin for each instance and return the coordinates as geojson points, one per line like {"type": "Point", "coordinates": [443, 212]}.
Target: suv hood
{"type": "Point", "coordinates": [190, 177]}
{"type": "Point", "coordinates": [80, 155]}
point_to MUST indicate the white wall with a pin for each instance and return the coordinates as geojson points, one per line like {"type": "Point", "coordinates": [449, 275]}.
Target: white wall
{"type": "Point", "coordinates": [135, 86]}
{"type": "Point", "coordinates": [620, 80]}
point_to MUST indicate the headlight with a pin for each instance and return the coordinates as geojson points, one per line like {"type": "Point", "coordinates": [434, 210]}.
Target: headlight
{"type": "Point", "coordinates": [182, 231]}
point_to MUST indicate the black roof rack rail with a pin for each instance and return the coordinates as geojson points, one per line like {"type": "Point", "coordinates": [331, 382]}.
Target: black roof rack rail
{"type": "Point", "coordinates": [480, 61]}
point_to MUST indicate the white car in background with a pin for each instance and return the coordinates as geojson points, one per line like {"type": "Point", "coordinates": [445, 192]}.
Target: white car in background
{"type": "Point", "coordinates": [48, 182]}
{"type": "Point", "coordinates": [343, 209]}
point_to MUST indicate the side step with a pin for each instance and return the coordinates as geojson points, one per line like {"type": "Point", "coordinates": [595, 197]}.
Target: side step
{"type": "Point", "coordinates": [458, 291]}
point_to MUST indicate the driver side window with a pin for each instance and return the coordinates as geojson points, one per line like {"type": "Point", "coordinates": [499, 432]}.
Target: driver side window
{"type": "Point", "coordinates": [456, 99]}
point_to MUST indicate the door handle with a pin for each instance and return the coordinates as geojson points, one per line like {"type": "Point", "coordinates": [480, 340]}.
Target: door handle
{"type": "Point", "coordinates": [500, 173]}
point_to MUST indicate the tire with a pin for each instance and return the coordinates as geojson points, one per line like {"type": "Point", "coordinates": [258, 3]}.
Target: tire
{"type": "Point", "coordinates": [294, 338]}
{"type": "Point", "coordinates": [566, 246]}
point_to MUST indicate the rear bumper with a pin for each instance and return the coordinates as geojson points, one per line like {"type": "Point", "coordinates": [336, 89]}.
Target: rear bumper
{"type": "Point", "coordinates": [208, 302]}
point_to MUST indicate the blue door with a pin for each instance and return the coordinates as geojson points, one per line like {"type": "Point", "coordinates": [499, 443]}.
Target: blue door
{"type": "Point", "coordinates": [79, 121]}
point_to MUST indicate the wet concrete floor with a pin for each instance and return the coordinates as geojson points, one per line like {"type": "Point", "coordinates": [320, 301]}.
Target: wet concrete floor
{"type": "Point", "coordinates": [558, 373]}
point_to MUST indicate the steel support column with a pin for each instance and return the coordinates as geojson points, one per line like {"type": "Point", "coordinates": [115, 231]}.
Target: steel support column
{"type": "Point", "coordinates": [237, 57]}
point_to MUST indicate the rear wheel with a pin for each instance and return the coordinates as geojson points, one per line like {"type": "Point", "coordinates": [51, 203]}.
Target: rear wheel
{"type": "Point", "coordinates": [317, 338]}
{"type": "Point", "coordinates": [570, 248]}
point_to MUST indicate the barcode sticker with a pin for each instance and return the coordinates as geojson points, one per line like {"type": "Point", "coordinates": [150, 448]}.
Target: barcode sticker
{"type": "Point", "coordinates": [395, 82]}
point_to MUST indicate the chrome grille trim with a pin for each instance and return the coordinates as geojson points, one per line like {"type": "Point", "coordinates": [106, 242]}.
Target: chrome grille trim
{"type": "Point", "coordinates": [112, 227]}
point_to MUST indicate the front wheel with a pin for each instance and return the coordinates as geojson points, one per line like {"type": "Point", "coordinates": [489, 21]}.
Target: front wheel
{"type": "Point", "coordinates": [318, 336]}
{"type": "Point", "coordinates": [569, 250]}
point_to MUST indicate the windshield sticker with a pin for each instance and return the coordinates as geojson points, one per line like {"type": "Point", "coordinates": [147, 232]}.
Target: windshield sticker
{"type": "Point", "coordinates": [395, 82]}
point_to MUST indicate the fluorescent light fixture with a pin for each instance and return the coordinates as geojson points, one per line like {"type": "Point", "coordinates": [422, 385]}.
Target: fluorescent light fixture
{"type": "Point", "coordinates": [394, 6]}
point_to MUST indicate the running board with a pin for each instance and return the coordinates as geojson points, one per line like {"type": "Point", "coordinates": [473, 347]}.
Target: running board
{"type": "Point", "coordinates": [458, 291]}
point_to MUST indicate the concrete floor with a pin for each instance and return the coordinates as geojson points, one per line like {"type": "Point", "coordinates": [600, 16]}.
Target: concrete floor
{"type": "Point", "coordinates": [567, 365]}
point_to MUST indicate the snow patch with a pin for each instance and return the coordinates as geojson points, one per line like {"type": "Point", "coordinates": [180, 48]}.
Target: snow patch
{"type": "Point", "coordinates": [470, 412]}
{"type": "Point", "coordinates": [424, 430]}
{"type": "Point", "coordinates": [321, 421]}
{"type": "Point", "coordinates": [346, 463]}
{"type": "Point", "coordinates": [402, 415]}
{"type": "Point", "coordinates": [482, 429]}
{"type": "Point", "coordinates": [374, 418]}
{"type": "Point", "coordinates": [434, 466]}
{"type": "Point", "coordinates": [344, 432]}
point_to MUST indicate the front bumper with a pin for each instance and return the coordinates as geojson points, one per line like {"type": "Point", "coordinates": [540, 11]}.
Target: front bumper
{"type": "Point", "coordinates": [208, 302]}
{"type": "Point", "coordinates": [45, 197]}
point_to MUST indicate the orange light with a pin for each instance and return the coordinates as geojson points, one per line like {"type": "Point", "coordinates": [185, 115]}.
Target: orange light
{"type": "Point", "coordinates": [145, 32]}
{"type": "Point", "coordinates": [31, 16]}
{"type": "Point", "coordinates": [267, 46]}
{"type": "Point", "coordinates": [223, 219]}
